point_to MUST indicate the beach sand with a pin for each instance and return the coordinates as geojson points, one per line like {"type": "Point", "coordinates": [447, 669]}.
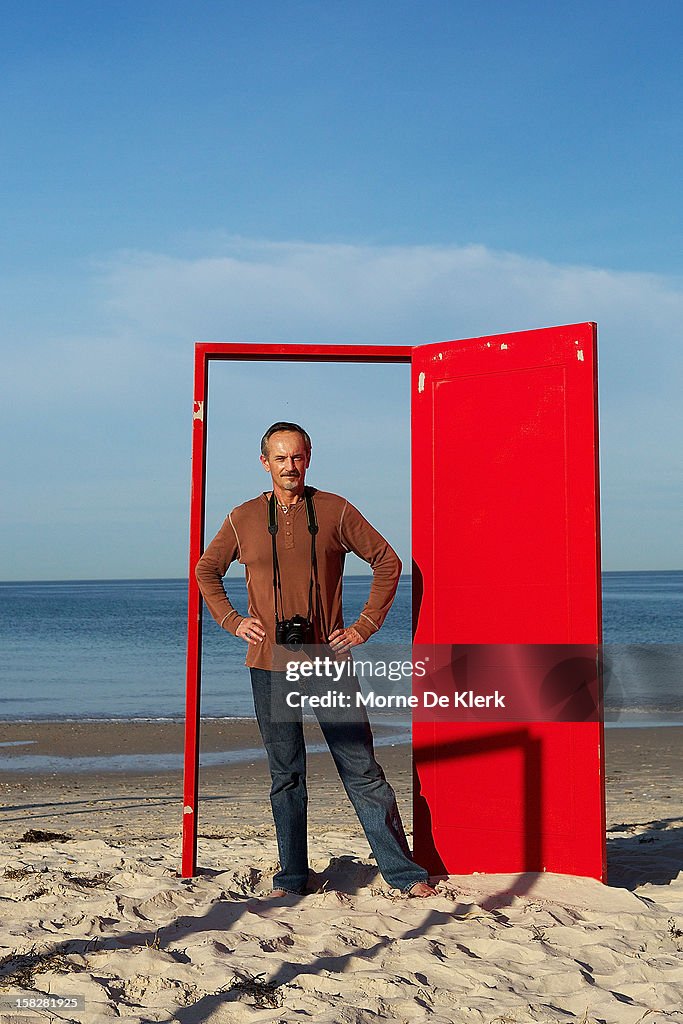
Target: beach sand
{"type": "Point", "coordinates": [104, 915]}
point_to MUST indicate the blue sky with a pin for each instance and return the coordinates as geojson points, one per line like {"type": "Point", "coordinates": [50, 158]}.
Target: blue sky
{"type": "Point", "coordinates": [333, 172]}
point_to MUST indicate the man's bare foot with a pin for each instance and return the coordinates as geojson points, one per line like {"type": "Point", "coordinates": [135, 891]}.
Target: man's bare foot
{"type": "Point", "coordinates": [421, 890]}
{"type": "Point", "coordinates": [278, 892]}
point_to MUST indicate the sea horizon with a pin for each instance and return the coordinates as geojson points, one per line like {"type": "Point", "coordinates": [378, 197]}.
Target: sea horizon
{"type": "Point", "coordinates": [115, 650]}
{"type": "Point", "coordinates": [346, 575]}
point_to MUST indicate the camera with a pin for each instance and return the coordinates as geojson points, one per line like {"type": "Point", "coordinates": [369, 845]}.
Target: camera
{"type": "Point", "coordinates": [294, 632]}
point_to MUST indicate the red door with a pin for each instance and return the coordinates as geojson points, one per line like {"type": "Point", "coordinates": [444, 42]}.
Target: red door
{"type": "Point", "coordinates": [506, 551]}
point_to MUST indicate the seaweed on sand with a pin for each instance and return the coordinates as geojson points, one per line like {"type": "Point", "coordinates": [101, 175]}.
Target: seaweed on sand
{"type": "Point", "coordinates": [18, 970]}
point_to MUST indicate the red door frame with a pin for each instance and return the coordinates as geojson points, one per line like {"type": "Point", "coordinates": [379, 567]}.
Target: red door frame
{"type": "Point", "coordinates": [204, 353]}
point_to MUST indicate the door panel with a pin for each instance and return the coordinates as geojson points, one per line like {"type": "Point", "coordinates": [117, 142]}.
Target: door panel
{"type": "Point", "coordinates": [506, 551]}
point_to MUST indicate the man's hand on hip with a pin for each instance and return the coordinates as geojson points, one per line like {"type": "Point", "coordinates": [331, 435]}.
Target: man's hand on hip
{"type": "Point", "coordinates": [345, 639]}
{"type": "Point", "coordinates": [251, 630]}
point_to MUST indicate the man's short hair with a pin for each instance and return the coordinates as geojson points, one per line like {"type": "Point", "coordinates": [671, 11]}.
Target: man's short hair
{"type": "Point", "coordinates": [276, 428]}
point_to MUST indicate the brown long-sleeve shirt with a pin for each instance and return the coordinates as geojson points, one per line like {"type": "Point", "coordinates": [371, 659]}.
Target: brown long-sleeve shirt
{"type": "Point", "coordinates": [244, 536]}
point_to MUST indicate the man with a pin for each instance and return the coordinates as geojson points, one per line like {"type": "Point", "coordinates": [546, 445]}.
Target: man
{"type": "Point", "coordinates": [313, 583]}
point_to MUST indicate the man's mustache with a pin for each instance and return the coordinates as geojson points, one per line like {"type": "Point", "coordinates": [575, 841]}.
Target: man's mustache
{"type": "Point", "coordinates": [295, 473]}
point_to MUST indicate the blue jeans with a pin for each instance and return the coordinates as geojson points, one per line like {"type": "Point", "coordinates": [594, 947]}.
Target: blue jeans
{"type": "Point", "coordinates": [349, 737]}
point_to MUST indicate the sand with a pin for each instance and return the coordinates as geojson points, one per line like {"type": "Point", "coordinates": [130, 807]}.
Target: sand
{"type": "Point", "coordinates": [104, 915]}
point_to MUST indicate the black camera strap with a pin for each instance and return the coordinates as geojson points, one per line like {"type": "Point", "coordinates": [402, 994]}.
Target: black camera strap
{"type": "Point", "coordinates": [312, 522]}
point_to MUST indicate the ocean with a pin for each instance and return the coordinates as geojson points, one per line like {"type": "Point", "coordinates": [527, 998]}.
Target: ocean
{"type": "Point", "coordinates": [115, 649]}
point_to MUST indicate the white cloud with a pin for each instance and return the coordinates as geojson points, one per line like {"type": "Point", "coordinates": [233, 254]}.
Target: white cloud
{"type": "Point", "coordinates": [148, 308]}
{"type": "Point", "coordinates": [430, 292]}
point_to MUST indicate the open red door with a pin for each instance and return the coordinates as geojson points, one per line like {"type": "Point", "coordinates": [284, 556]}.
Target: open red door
{"type": "Point", "coordinates": [506, 551]}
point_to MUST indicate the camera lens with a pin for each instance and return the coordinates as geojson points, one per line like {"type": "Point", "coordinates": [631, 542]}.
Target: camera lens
{"type": "Point", "coordinates": [293, 633]}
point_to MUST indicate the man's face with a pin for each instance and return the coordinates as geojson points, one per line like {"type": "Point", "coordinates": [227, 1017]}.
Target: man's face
{"type": "Point", "coordinates": [287, 460]}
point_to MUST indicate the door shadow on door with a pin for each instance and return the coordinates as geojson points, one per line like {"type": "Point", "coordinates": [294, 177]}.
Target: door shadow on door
{"type": "Point", "coordinates": [492, 762]}
{"type": "Point", "coordinates": [426, 849]}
